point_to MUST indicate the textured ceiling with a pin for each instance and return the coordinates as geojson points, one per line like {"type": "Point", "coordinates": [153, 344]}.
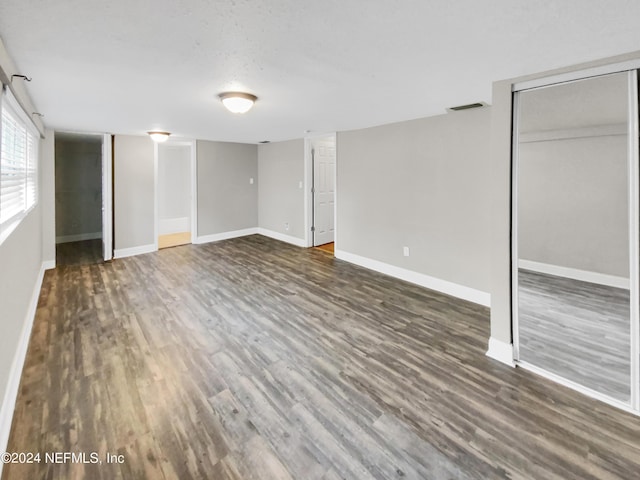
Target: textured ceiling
{"type": "Point", "coordinates": [128, 66]}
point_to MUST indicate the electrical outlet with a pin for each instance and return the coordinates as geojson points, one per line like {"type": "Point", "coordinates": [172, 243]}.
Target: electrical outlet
{"type": "Point", "coordinates": [286, 226]}
{"type": "Point", "coordinates": [251, 181]}
{"type": "Point", "coordinates": [300, 184]}
{"type": "Point", "coordinates": [405, 251]}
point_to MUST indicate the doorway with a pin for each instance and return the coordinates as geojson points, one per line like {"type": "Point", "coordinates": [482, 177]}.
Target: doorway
{"type": "Point", "coordinates": [175, 193]}
{"type": "Point", "coordinates": [82, 166]}
{"type": "Point", "coordinates": [575, 235]}
{"type": "Point", "coordinates": [322, 151]}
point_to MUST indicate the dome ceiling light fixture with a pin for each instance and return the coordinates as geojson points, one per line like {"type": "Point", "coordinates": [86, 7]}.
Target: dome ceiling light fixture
{"type": "Point", "coordinates": [159, 137]}
{"type": "Point", "coordinates": [238, 102]}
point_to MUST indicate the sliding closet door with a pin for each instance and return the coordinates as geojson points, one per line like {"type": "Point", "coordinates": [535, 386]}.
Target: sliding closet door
{"type": "Point", "coordinates": [575, 233]}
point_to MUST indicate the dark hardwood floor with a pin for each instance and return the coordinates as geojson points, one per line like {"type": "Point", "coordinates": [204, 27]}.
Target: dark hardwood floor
{"type": "Point", "coordinates": [253, 359]}
{"type": "Point", "coordinates": [85, 252]}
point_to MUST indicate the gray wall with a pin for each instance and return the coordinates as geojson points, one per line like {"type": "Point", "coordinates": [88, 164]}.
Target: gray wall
{"type": "Point", "coordinates": [572, 204]}
{"type": "Point", "coordinates": [280, 198]}
{"type": "Point", "coordinates": [424, 184]}
{"type": "Point", "coordinates": [134, 191]}
{"type": "Point", "coordinates": [78, 183]}
{"type": "Point", "coordinates": [226, 200]}
{"type": "Point", "coordinates": [20, 261]}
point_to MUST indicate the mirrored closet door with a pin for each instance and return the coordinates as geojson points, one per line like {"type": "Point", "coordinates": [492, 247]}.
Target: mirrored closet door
{"type": "Point", "coordinates": [575, 234]}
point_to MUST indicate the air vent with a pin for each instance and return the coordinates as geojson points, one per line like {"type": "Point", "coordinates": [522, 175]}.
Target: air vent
{"type": "Point", "coordinates": [265, 141]}
{"type": "Point", "coordinates": [466, 107]}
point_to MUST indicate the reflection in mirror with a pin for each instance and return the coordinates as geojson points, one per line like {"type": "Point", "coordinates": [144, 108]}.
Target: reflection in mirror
{"type": "Point", "coordinates": [572, 232]}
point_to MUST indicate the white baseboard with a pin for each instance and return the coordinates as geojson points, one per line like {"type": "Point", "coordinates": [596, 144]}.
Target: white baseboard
{"type": "Point", "coordinates": [216, 237]}
{"type": "Point", "coordinates": [443, 286]}
{"type": "Point", "coordinates": [15, 374]}
{"type": "Point", "coordinates": [298, 242]}
{"type": "Point", "coordinates": [130, 252]}
{"type": "Point", "coordinates": [575, 274]}
{"type": "Point", "coordinates": [501, 351]}
{"type": "Point", "coordinates": [49, 264]}
{"type": "Point", "coordinates": [78, 237]}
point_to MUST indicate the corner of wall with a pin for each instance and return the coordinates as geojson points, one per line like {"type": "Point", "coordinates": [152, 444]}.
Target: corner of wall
{"type": "Point", "coordinates": [501, 212]}
{"type": "Point", "coordinates": [501, 351]}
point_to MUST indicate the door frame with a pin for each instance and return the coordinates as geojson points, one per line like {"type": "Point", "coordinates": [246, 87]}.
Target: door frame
{"type": "Point", "coordinates": [633, 168]}
{"type": "Point", "coordinates": [107, 197]}
{"type": "Point", "coordinates": [107, 165]}
{"type": "Point", "coordinates": [308, 188]}
{"type": "Point", "coordinates": [193, 175]}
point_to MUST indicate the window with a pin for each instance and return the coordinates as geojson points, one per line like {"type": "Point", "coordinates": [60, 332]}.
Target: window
{"type": "Point", "coordinates": [18, 163]}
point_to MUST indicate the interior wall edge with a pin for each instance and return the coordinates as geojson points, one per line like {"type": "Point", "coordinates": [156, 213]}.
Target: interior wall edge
{"type": "Point", "coordinates": [15, 374]}
{"type": "Point", "coordinates": [432, 283]}
{"type": "Point", "coordinates": [501, 351]}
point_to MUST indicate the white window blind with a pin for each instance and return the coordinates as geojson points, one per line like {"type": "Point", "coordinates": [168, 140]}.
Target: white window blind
{"type": "Point", "coordinates": [18, 163]}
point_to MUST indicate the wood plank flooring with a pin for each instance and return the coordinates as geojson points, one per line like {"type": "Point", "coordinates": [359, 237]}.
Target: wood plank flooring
{"type": "Point", "coordinates": [578, 330]}
{"type": "Point", "coordinates": [327, 247]}
{"type": "Point", "coordinates": [84, 252]}
{"type": "Point", "coordinates": [253, 359]}
{"type": "Point", "coordinates": [174, 239]}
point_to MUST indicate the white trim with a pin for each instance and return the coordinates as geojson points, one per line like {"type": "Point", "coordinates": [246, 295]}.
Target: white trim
{"type": "Point", "coordinates": [515, 300]}
{"type": "Point", "coordinates": [49, 264]}
{"type": "Point", "coordinates": [299, 242]}
{"type": "Point", "coordinates": [155, 197]}
{"type": "Point", "coordinates": [308, 185]}
{"type": "Point", "coordinates": [308, 198]}
{"type": "Point", "coordinates": [194, 190]}
{"type": "Point", "coordinates": [335, 194]}
{"type": "Point", "coordinates": [618, 129]}
{"type": "Point", "coordinates": [216, 237]}
{"type": "Point", "coordinates": [78, 237]}
{"type": "Point", "coordinates": [634, 226]}
{"type": "Point", "coordinates": [131, 251]}
{"type": "Point", "coordinates": [443, 286]}
{"type": "Point", "coordinates": [15, 374]}
{"type": "Point", "coordinates": [576, 386]}
{"type": "Point", "coordinates": [575, 274]}
{"type": "Point", "coordinates": [501, 351]}
{"type": "Point", "coordinates": [576, 75]}
{"type": "Point", "coordinates": [107, 198]}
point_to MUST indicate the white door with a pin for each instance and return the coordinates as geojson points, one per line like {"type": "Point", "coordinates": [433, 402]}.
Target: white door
{"type": "Point", "coordinates": [324, 191]}
{"type": "Point", "coordinates": [174, 194]}
{"type": "Point", "coordinates": [107, 197]}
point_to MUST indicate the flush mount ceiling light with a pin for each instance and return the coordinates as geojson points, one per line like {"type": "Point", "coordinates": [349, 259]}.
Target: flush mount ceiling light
{"type": "Point", "coordinates": [238, 102]}
{"type": "Point", "coordinates": [159, 137]}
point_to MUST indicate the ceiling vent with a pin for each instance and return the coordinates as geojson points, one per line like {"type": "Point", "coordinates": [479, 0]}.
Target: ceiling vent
{"type": "Point", "coordinates": [466, 107]}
